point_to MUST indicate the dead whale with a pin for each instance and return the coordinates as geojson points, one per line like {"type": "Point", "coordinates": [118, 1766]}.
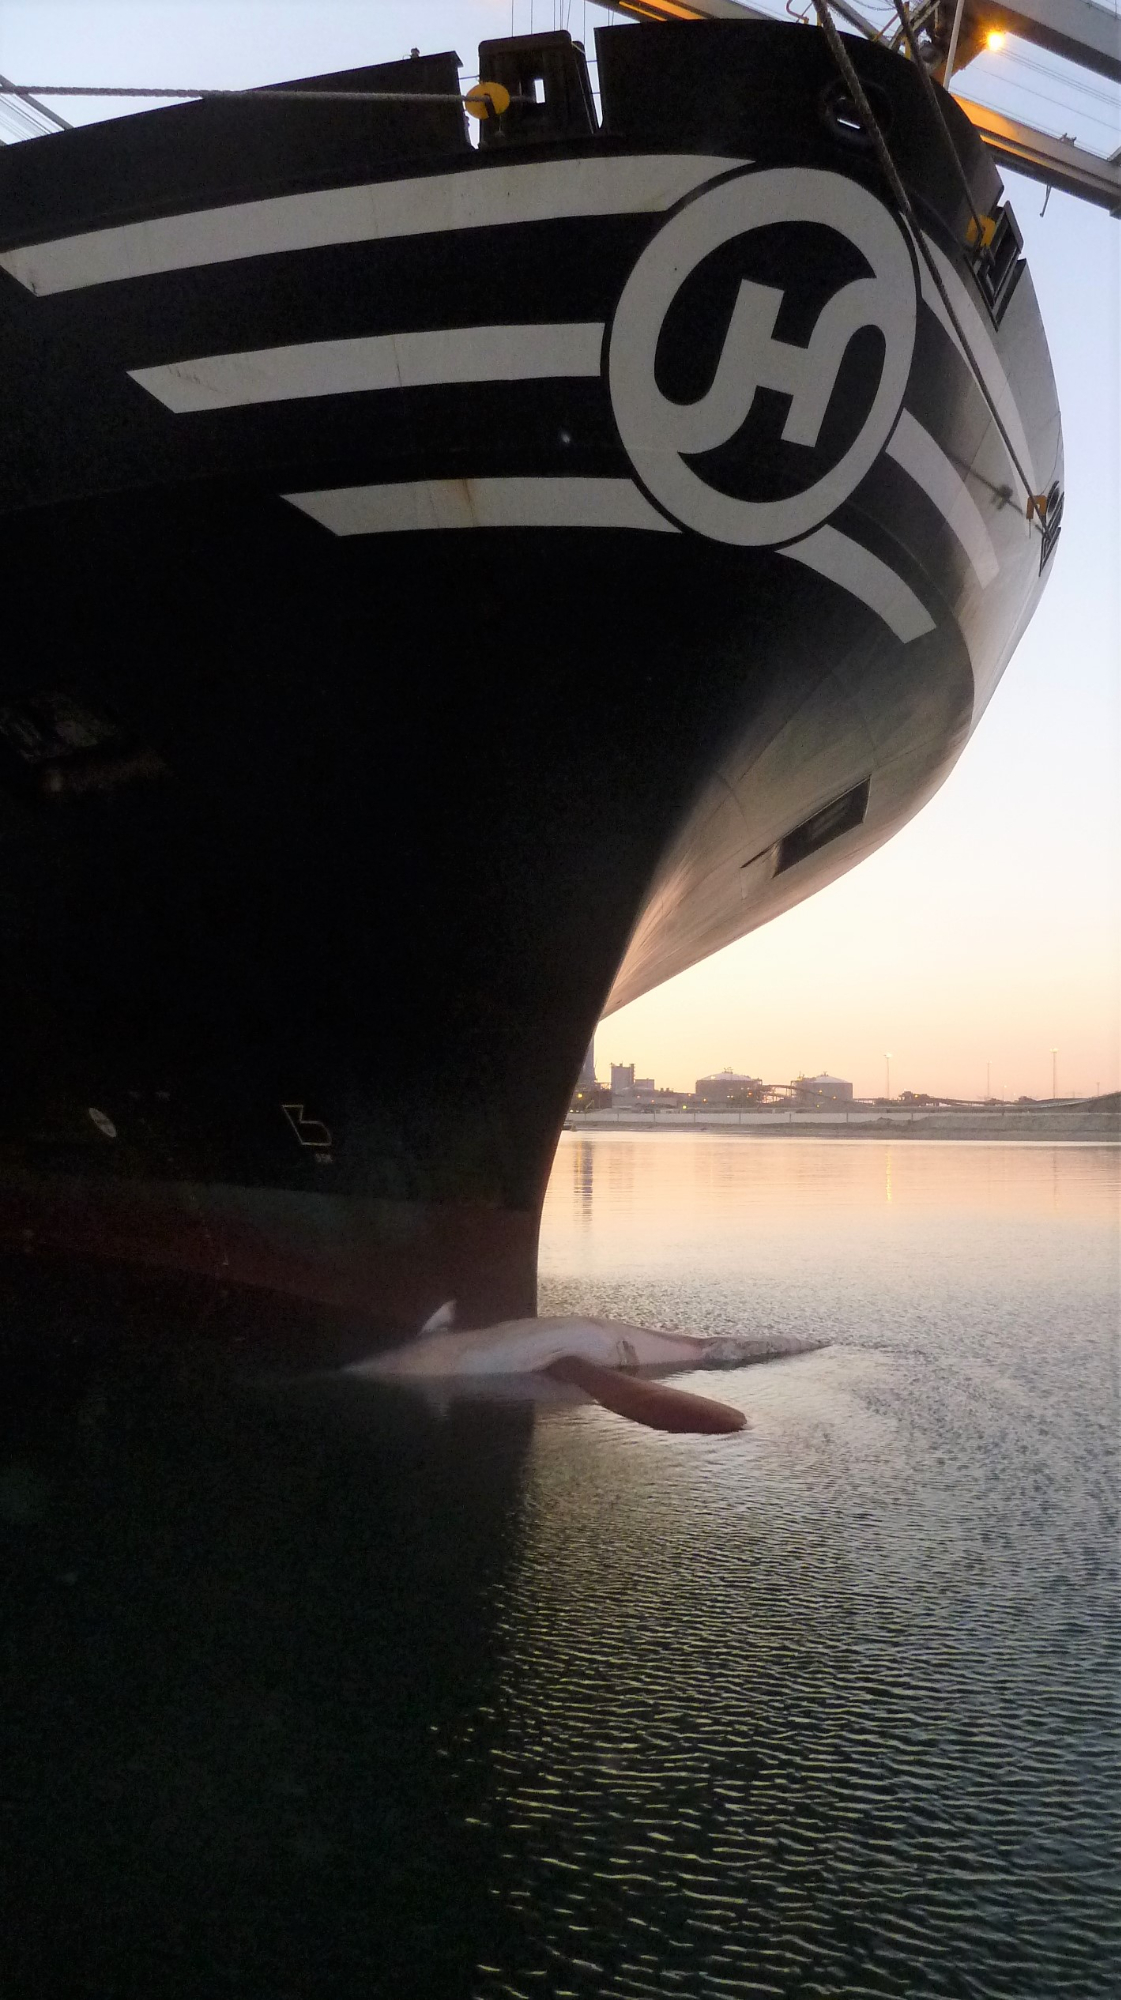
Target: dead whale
{"type": "Point", "coordinates": [610, 1361]}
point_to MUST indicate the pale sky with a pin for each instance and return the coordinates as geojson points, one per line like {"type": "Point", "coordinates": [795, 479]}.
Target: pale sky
{"type": "Point", "coordinates": [989, 930]}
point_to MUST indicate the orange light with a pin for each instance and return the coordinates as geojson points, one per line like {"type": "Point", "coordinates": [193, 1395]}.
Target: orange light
{"type": "Point", "coordinates": [994, 40]}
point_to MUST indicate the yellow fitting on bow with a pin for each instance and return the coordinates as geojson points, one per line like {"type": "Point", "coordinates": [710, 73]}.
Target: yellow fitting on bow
{"type": "Point", "coordinates": [486, 100]}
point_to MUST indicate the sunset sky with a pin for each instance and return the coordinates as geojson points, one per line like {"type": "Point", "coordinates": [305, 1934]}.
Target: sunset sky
{"type": "Point", "coordinates": [988, 931]}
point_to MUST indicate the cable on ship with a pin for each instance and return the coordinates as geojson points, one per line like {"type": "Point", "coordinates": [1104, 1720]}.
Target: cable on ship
{"type": "Point", "coordinates": [483, 100]}
{"type": "Point", "coordinates": [984, 226]}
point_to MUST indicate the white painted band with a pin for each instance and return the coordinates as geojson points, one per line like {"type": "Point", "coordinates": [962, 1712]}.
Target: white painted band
{"type": "Point", "coordinates": [863, 575]}
{"type": "Point", "coordinates": [981, 345]}
{"type": "Point", "coordinates": [413, 505]}
{"type": "Point", "coordinates": [475, 198]}
{"type": "Point", "coordinates": [382, 361]}
{"type": "Point", "coordinates": [926, 463]}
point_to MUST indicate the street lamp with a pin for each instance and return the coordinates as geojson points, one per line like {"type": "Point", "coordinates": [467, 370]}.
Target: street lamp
{"type": "Point", "coordinates": [1054, 1074]}
{"type": "Point", "coordinates": [887, 1075]}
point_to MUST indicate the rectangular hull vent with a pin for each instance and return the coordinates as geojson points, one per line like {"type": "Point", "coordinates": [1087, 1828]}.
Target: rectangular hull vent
{"type": "Point", "coordinates": [840, 816]}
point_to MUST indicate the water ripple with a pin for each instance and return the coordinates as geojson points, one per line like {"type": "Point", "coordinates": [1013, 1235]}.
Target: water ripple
{"type": "Point", "coordinates": [829, 1710]}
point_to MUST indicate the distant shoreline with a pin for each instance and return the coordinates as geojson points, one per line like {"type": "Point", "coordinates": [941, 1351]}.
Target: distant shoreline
{"type": "Point", "coordinates": [1102, 1128]}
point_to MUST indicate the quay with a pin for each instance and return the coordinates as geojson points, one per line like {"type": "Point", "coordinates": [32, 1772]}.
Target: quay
{"type": "Point", "coordinates": [1094, 1121]}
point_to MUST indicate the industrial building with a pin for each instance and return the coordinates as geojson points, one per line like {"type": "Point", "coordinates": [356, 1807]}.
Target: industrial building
{"type": "Point", "coordinates": [728, 1087]}
{"type": "Point", "coordinates": [820, 1093]}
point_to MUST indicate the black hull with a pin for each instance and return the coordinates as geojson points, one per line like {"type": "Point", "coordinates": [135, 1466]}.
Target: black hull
{"type": "Point", "coordinates": [309, 919]}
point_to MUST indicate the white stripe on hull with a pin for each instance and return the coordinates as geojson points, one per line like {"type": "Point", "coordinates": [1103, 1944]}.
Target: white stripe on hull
{"type": "Point", "coordinates": [464, 355]}
{"type": "Point", "coordinates": [475, 198]}
{"type": "Point", "coordinates": [981, 345]}
{"type": "Point", "coordinates": [413, 505]}
{"type": "Point", "coordinates": [926, 463]}
{"type": "Point", "coordinates": [863, 575]}
{"type": "Point", "coordinates": [383, 361]}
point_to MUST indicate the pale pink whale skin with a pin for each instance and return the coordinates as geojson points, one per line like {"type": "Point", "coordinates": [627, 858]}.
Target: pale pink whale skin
{"type": "Point", "coordinates": [559, 1359]}
{"type": "Point", "coordinates": [526, 1346]}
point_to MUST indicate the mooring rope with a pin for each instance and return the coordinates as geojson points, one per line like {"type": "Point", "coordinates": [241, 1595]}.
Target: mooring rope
{"type": "Point", "coordinates": [297, 96]}
{"type": "Point", "coordinates": [932, 99]}
{"type": "Point", "coordinates": [1036, 503]}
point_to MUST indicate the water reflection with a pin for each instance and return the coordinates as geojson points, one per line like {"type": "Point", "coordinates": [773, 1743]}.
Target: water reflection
{"type": "Point", "coordinates": [676, 1202]}
{"type": "Point", "coordinates": [238, 1627]}
{"type": "Point", "coordinates": [827, 1709]}
{"type": "Point", "coordinates": [315, 1694]}
{"type": "Point", "coordinates": [583, 1156]}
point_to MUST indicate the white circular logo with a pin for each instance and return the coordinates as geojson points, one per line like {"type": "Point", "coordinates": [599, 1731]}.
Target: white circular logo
{"type": "Point", "coordinates": [660, 435]}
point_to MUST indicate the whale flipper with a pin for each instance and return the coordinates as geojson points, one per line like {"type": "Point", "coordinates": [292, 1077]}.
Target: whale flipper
{"type": "Point", "coordinates": [441, 1321]}
{"type": "Point", "coordinates": [654, 1404]}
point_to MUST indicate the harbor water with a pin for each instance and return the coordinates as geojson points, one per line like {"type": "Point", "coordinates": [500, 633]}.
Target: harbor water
{"type": "Point", "coordinates": [309, 1689]}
